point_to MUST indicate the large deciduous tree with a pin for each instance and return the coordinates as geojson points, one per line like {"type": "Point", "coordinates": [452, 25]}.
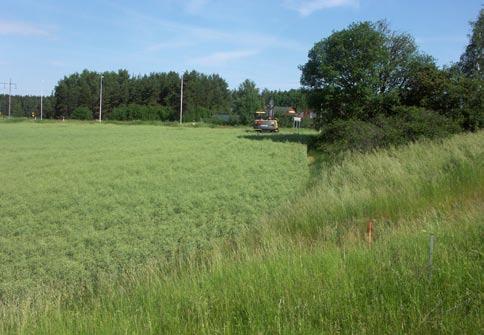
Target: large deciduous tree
{"type": "Point", "coordinates": [472, 61]}
{"type": "Point", "coordinates": [358, 72]}
{"type": "Point", "coordinates": [247, 101]}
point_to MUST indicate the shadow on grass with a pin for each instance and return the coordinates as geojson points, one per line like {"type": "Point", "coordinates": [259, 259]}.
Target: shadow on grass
{"type": "Point", "coordinates": [278, 137]}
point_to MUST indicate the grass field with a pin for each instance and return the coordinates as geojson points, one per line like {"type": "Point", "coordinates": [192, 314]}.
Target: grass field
{"type": "Point", "coordinates": [307, 267]}
{"type": "Point", "coordinates": [80, 200]}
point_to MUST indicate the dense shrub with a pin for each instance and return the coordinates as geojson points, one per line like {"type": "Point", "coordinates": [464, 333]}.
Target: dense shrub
{"type": "Point", "coordinates": [196, 114]}
{"type": "Point", "coordinates": [82, 113]}
{"type": "Point", "coordinates": [140, 112]}
{"type": "Point", "coordinates": [307, 123]}
{"type": "Point", "coordinates": [224, 119]}
{"type": "Point", "coordinates": [408, 124]}
{"type": "Point", "coordinates": [285, 121]}
{"type": "Point", "coordinates": [342, 135]}
{"type": "Point", "coordinates": [419, 122]}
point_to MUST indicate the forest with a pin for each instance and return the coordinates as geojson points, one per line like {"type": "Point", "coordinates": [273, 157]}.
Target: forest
{"type": "Point", "coordinates": [155, 96]}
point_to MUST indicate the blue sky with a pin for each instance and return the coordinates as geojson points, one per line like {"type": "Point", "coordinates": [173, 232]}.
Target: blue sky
{"type": "Point", "coordinates": [266, 40]}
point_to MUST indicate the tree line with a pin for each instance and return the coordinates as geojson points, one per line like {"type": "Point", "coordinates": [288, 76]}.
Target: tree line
{"type": "Point", "coordinates": [155, 96]}
{"type": "Point", "coordinates": [128, 97]}
{"type": "Point", "coordinates": [24, 106]}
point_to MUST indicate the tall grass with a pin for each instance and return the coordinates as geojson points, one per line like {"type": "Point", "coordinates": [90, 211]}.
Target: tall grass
{"type": "Point", "coordinates": [385, 185]}
{"type": "Point", "coordinates": [307, 269]}
{"type": "Point", "coordinates": [80, 201]}
{"type": "Point", "coordinates": [329, 289]}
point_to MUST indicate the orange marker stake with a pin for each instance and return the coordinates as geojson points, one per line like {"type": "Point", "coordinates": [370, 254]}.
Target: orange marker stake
{"type": "Point", "coordinates": [369, 231]}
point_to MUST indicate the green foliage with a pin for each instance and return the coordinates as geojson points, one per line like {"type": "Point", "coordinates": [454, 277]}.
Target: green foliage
{"type": "Point", "coordinates": [203, 94]}
{"type": "Point", "coordinates": [449, 93]}
{"type": "Point", "coordinates": [357, 72]}
{"type": "Point", "coordinates": [225, 120]}
{"type": "Point", "coordinates": [198, 114]}
{"type": "Point", "coordinates": [82, 113]}
{"type": "Point", "coordinates": [140, 112]}
{"type": "Point", "coordinates": [407, 124]}
{"type": "Point", "coordinates": [247, 101]}
{"type": "Point", "coordinates": [370, 77]}
{"type": "Point", "coordinates": [472, 61]}
{"type": "Point", "coordinates": [295, 98]}
{"type": "Point", "coordinates": [25, 105]}
{"type": "Point", "coordinates": [343, 135]}
{"type": "Point", "coordinates": [418, 123]}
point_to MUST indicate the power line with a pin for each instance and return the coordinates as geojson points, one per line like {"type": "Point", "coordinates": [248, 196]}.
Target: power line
{"type": "Point", "coordinates": [10, 84]}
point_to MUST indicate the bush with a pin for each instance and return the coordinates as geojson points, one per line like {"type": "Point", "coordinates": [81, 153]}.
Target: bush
{"type": "Point", "coordinates": [141, 112]}
{"type": "Point", "coordinates": [196, 114]}
{"type": "Point", "coordinates": [342, 135]}
{"type": "Point", "coordinates": [224, 119]}
{"type": "Point", "coordinates": [407, 124]}
{"type": "Point", "coordinates": [82, 113]}
{"type": "Point", "coordinates": [419, 122]}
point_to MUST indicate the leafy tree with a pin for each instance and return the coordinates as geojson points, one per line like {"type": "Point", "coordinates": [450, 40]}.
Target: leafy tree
{"type": "Point", "coordinates": [140, 112]}
{"type": "Point", "coordinates": [472, 61]}
{"type": "Point", "coordinates": [292, 98]}
{"type": "Point", "coordinates": [373, 88]}
{"type": "Point", "coordinates": [25, 105]}
{"type": "Point", "coordinates": [358, 72]}
{"type": "Point", "coordinates": [82, 113]}
{"type": "Point", "coordinates": [454, 92]}
{"type": "Point", "coordinates": [246, 101]}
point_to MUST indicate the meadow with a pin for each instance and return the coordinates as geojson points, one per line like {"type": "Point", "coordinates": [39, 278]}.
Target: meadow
{"type": "Point", "coordinates": [305, 265]}
{"type": "Point", "coordinates": [83, 200]}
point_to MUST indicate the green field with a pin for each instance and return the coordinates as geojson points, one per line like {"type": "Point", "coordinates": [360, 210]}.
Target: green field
{"type": "Point", "coordinates": [170, 230]}
{"type": "Point", "coordinates": [80, 200]}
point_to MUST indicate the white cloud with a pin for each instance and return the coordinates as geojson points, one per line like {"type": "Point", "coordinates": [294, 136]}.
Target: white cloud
{"type": "Point", "coordinates": [307, 7]}
{"type": "Point", "coordinates": [21, 28]}
{"type": "Point", "coordinates": [185, 35]}
{"type": "Point", "coordinates": [223, 57]}
{"type": "Point", "coordinates": [192, 36]}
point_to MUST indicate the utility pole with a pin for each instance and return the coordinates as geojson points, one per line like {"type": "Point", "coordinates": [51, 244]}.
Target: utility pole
{"type": "Point", "coordinates": [101, 99]}
{"type": "Point", "coordinates": [10, 84]}
{"type": "Point", "coordinates": [181, 100]}
{"type": "Point", "coordinates": [41, 102]}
